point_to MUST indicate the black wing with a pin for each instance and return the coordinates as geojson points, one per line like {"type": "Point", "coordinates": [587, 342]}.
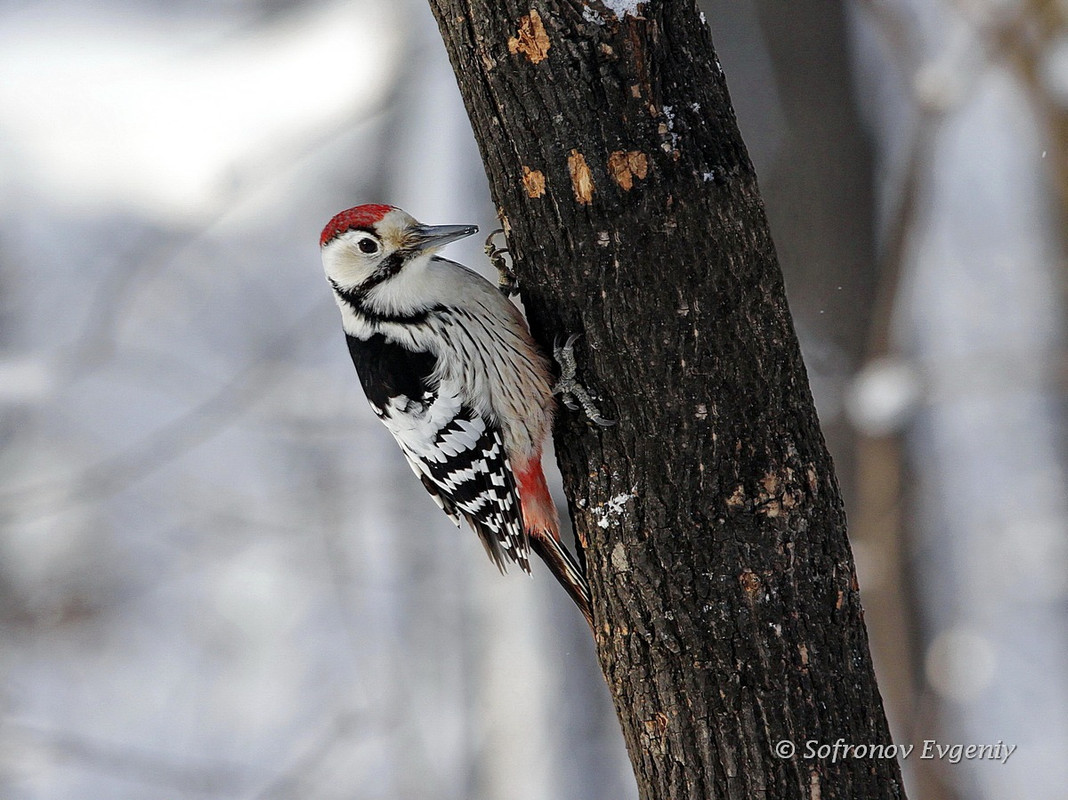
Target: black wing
{"type": "Point", "coordinates": [457, 454]}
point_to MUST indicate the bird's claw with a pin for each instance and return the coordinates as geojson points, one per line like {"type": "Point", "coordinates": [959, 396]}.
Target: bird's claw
{"type": "Point", "coordinates": [506, 280]}
{"type": "Point", "coordinates": [572, 393]}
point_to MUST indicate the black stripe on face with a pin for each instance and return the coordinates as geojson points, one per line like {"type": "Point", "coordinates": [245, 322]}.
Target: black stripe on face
{"type": "Point", "coordinates": [356, 299]}
{"type": "Point", "coordinates": [389, 266]}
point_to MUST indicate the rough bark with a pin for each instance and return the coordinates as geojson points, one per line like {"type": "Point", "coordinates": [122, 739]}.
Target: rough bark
{"type": "Point", "coordinates": [728, 616]}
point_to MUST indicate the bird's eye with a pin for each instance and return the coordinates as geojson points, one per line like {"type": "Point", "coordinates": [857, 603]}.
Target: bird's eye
{"type": "Point", "coordinates": [368, 246]}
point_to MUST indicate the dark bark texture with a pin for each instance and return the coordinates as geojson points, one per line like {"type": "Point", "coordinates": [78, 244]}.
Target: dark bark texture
{"type": "Point", "coordinates": [727, 608]}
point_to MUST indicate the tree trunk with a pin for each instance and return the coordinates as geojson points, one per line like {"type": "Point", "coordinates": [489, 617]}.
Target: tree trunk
{"type": "Point", "coordinates": [728, 616]}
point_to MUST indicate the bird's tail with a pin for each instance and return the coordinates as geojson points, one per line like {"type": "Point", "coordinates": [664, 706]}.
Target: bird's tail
{"type": "Point", "coordinates": [543, 530]}
{"type": "Point", "coordinates": [567, 571]}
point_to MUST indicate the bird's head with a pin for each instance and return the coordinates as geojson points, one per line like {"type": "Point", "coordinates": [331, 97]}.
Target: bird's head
{"type": "Point", "coordinates": [367, 245]}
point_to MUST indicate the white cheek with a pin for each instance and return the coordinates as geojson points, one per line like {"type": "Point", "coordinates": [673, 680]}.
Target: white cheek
{"type": "Point", "coordinates": [345, 267]}
{"type": "Point", "coordinates": [405, 291]}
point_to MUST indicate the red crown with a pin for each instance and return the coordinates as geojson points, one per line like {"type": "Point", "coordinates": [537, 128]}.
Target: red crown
{"type": "Point", "coordinates": [365, 216]}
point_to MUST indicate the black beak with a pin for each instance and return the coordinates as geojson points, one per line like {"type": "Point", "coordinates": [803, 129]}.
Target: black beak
{"type": "Point", "coordinates": [430, 237]}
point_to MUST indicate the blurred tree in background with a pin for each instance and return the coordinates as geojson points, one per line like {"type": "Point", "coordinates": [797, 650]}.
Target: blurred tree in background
{"type": "Point", "coordinates": [217, 577]}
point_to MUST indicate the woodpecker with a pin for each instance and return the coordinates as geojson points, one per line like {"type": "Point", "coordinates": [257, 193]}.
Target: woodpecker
{"type": "Point", "coordinates": [449, 366]}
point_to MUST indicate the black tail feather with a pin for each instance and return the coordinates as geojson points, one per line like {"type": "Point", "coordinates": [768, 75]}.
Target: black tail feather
{"type": "Point", "coordinates": [566, 570]}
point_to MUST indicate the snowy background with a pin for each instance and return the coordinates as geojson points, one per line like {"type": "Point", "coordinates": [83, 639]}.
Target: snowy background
{"type": "Point", "coordinates": [218, 578]}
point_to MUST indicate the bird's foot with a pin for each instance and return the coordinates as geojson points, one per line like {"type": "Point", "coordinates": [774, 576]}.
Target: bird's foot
{"type": "Point", "coordinates": [506, 280]}
{"type": "Point", "coordinates": [572, 393]}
